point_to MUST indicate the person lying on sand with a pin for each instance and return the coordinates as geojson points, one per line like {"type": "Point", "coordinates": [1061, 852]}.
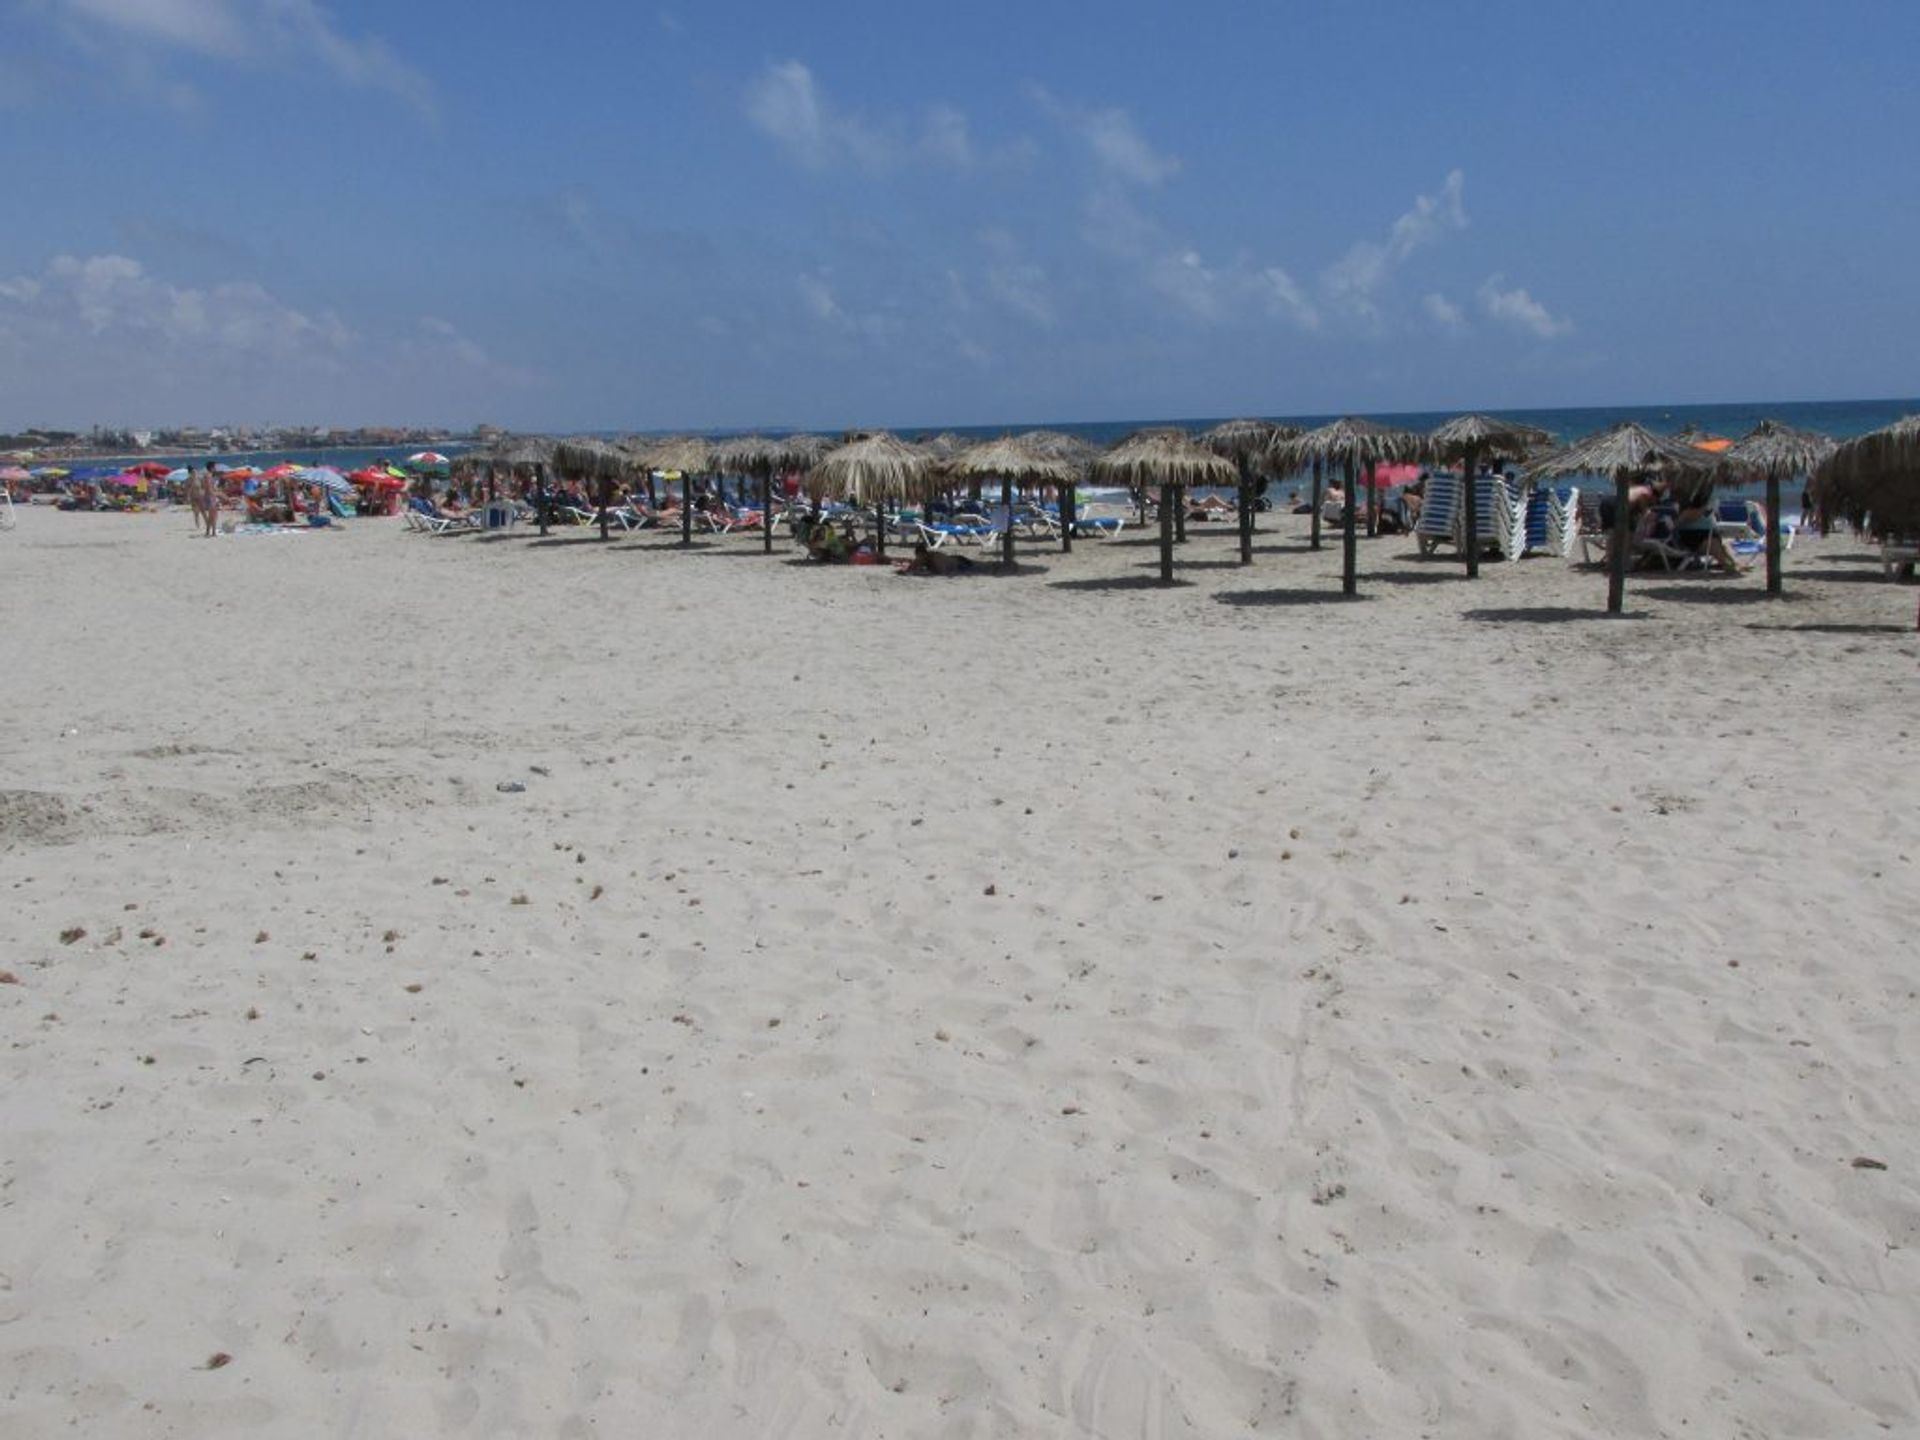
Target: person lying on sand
{"type": "Point", "coordinates": [928, 561]}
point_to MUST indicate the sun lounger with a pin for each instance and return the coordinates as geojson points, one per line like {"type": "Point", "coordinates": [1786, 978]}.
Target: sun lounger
{"type": "Point", "coordinates": [1591, 529]}
{"type": "Point", "coordinates": [961, 529]}
{"type": "Point", "coordinates": [1439, 520]}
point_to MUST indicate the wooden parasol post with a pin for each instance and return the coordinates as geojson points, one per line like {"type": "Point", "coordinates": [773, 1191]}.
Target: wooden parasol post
{"type": "Point", "coordinates": [1006, 506]}
{"type": "Point", "coordinates": [1469, 510]}
{"type": "Point", "coordinates": [1617, 551]}
{"type": "Point", "coordinates": [1773, 533]}
{"type": "Point", "coordinates": [1317, 464]}
{"type": "Point", "coordinates": [1166, 534]}
{"type": "Point", "coordinates": [1350, 538]}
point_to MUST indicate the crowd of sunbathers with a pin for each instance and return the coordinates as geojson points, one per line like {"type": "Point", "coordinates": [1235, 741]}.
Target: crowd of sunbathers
{"type": "Point", "coordinates": [1665, 525]}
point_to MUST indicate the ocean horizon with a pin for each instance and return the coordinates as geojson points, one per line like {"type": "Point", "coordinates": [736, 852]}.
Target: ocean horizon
{"type": "Point", "coordinates": [1841, 419]}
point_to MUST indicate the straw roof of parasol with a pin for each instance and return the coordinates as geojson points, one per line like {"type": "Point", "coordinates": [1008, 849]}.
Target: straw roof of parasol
{"type": "Point", "coordinates": [1012, 458]}
{"type": "Point", "coordinates": [507, 453]}
{"type": "Point", "coordinates": [1162, 457]}
{"type": "Point", "coordinates": [760, 454]}
{"type": "Point", "coordinates": [1628, 449]}
{"type": "Point", "coordinates": [1874, 479]}
{"type": "Point", "coordinates": [1483, 434]}
{"type": "Point", "coordinates": [875, 467]}
{"type": "Point", "coordinates": [1360, 442]}
{"type": "Point", "coordinates": [1246, 441]}
{"type": "Point", "coordinates": [1773, 448]}
{"type": "Point", "coordinates": [1061, 446]}
{"type": "Point", "coordinates": [689, 454]}
{"type": "Point", "coordinates": [590, 457]}
{"type": "Point", "coordinates": [744, 455]}
{"type": "Point", "coordinates": [943, 446]}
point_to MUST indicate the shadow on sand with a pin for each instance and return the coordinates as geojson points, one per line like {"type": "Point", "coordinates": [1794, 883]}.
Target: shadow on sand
{"type": "Point", "coordinates": [1290, 597]}
{"type": "Point", "coordinates": [1123, 582]}
{"type": "Point", "coordinates": [1544, 615]}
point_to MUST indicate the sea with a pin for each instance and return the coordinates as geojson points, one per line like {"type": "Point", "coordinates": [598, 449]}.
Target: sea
{"type": "Point", "coordinates": [1841, 419]}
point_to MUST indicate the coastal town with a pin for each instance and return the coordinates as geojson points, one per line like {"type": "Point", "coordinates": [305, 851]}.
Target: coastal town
{"type": "Point", "coordinates": [116, 442]}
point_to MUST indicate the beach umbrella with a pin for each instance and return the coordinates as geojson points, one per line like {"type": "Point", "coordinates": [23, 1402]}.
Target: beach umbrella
{"type": "Point", "coordinates": [427, 459]}
{"type": "Point", "coordinates": [1246, 442]}
{"type": "Point", "coordinates": [13, 474]}
{"type": "Point", "coordinates": [1013, 460]}
{"type": "Point", "coordinates": [1775, 451]}
{"type": "Point", "coordinates": [761, 457]}
{"type": "Point", "coordinates": [1466, 440]}
{"type": "Point", "coordinates": [1873, 480]}
{"type": "Point", "coordinates": [326, 477]}
{"type": "Point", "coordinates": [1170, 460]}
{"type": "Point", "coordinates": [1356, 446]}
{"type": "Point", "coordinates": [1627, 452]}
{"type": "Point", "coordinates": [871, 468]}
{"type": "Point", "coordinates": [751, 456]}
{"type": "Point", "coordinates": [1078, 454]}
{"type": "Point", "coordinates": [690, 456]}
{"type": "Point", "coordinates": [588, 459]}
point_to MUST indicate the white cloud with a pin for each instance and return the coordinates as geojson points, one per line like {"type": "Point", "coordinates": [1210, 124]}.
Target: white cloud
{"type": "Point", "coordinates": [786, 104]}
{"type": "Point", "coordinates": [443, 345]}
{"type": "Point", "coordinates": [101, 338]}
{"type": "Point", "coordinates": [1355, 280]}
{"type": "Point", "coordinates": [1113, 140]}
{"type": "Point", "coordinates": [1443, 312]}
{"type": "Point", "coordinates": [1015, 281]}
{"type": "Point", "coordinates": [113, 298]}
{"type": "Point", "coordinates": [947, 137]}
{"type": "Point", "coordinates": [254, 33]}
{"type": "Point", "coordinates": [817, 296]}
{"type": "Point", "coordinates": [1286, 299]}
{"type": "Point", "coordinates": [1518, 308]}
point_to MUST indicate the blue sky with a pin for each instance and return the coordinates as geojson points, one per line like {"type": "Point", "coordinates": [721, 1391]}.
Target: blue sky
{"type": "Point", "coordinates": [599, 215]}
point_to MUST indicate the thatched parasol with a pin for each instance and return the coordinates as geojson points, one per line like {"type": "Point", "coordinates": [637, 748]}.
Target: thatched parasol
{"type": "Point", "coordinates": [690, 455]}
{"type": "Point", "coordinates": [1060, 445]}
{"type": "Point", "coordinates": [1169, 460]}
{"type": "Point", "coordinates": [943, 446]}
{"type": "Point", "coordinates": [1627, 452]}
{"type": "Point", "coordinates": [870, 470]}
{"type": "Point", "coordinates": [1356, 446]}
{"type": "Point", "coordinates": [1465, 439]}
{"type": "Point", "coordinates": [1011, 459]}
{"type": "Point", "coordinates": [525, 453]}
{"type": "Point", "coordinates": [1775, 451]}
{"type": "Point", "coordinates": [1873, 480]}
{"type": "Point", "coordinates": [588, 459]}
{"type": "Point", "coordinates": [1077, 453]}
{"type": "Point", "coordinates": [1246, 443]}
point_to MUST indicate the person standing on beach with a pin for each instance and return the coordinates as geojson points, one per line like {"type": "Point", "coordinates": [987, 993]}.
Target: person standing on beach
{"type": "Point", "coordinates": [194, 499]}
{"type": "Point", "coordinates": [210, 500]}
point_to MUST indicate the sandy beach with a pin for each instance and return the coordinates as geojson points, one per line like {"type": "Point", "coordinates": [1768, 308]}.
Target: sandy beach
{"type": "Point", "coordinates": [1033, 1004]}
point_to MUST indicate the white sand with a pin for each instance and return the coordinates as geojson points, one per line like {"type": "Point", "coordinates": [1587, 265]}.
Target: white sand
{"type": "Point", "coordinates": [967, 1007]}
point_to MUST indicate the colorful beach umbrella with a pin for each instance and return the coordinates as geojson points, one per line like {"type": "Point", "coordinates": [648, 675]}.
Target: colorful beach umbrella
{"type": "Point", "coordinates": [326, 477]}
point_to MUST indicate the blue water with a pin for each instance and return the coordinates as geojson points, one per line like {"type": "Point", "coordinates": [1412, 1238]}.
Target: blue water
{"type": "Point", "coordinates": [342, 460]}
{"type": "Point", "coordinates": [1841, 419]}
{"type": "Point", "coordinates": [1838, 418]}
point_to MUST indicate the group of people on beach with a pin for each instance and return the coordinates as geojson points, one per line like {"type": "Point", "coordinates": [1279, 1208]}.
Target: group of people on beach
{"type": "Point", "coordinates": [1661, 520]}
{"type": "Point", "coordinates": [203, 495]}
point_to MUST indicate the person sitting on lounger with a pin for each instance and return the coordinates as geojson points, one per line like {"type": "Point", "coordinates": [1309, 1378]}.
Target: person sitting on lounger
{"type": "Point", "coordinates": [1693, 529]}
